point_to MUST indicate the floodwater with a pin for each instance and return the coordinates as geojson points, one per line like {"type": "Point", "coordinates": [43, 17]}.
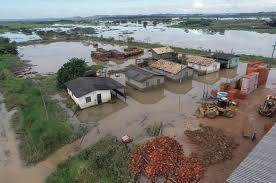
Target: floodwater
{"type": "Point", "coordinates": [20, 37]}
{"type": "Point", "coordinates": [239, 42]}
{"type": "Point", "coordinates": [48, 58]}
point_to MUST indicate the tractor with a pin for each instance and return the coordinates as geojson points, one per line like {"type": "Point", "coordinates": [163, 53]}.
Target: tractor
{"type": "Point", "coordinates": [268, 108]}
{"type": "Point", "coordinates": [217, 107]}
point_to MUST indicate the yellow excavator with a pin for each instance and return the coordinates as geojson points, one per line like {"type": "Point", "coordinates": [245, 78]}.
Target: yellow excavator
{"type": "Point", "coordinates": [268, 108]}
{"type": "Point", "coordinates": [217, 107]}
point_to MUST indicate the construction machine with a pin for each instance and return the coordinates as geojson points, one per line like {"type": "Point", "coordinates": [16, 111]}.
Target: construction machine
{"type": "Point", "coordinates": [268, 108]}
{"type": "Point", "coordinates": [217, 107]}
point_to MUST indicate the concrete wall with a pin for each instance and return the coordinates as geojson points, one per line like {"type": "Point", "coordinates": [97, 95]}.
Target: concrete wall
{"type": "Point", "coordinates": [182, 75]}
{"type": "Point", "coordinates": [165, 56]}
{"type": "Point", "coordinates": [205, 69]}
{"type": "Point", "coordinates": [152, 82]}
{"type": "Point", "coordinates": [81, 102]}
{"type": "Point", "coordinates": [234, 62]}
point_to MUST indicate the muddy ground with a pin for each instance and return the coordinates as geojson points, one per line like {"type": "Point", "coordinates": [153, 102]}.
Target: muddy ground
{"type": "Point", "coordinates": [116, 124]}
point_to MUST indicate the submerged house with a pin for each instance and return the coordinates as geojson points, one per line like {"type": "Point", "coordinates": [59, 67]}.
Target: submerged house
{"type": "Point", "coordinates": [173, 71]}
{"type": "Point", "coordinates": [227, 61]}
{"type": "Point", "coordinates": [143, 79]}
{"type": "Point", "coordinates": [203, 65]}
{"type": "Point", "coordinates": [90, 91]}
{"type": "Point", "coordinates": [166, 53]}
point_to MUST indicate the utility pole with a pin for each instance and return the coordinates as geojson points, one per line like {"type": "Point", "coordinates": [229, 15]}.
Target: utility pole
{"type": "Point", "coordinates": [274, 47]}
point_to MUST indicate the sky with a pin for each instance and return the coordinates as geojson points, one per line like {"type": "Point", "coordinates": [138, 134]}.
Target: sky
{"type": "Point", "coordinates": [27, 9]}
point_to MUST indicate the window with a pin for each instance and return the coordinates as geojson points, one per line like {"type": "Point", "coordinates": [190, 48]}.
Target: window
{"type": "Point", "coordinates": [147, 84]}
{"type": "Point", "coordinates": [215, 66]}
{"type": "Point", "coordinates": [158, 81]}
{"type": "Point", "coordinates": [88, 99]}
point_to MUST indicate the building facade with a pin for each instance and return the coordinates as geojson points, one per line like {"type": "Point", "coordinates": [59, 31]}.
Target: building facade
{"type": "Point", "coordinates": [227, 61]}
{"type": "Point", "coordinates": [172, 71]}
{"type": "Point", "coordinates": [91, 91]}
{"type": "Point", "coordinates": [143, 79]}
{"type": "Point", "coordinates": [203, 65]}
{"type": "Point", "coordinates": [165, 53]}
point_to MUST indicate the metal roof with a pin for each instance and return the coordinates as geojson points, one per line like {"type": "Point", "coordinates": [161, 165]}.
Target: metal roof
{"type": "Point", "coordinates": [84, 85]}
{"type": "Point", "coordinates": [223, 56]}
{"type": "Point", "coordinates": [260, 165]}
{"type": "Point", "coordinates": [139, 74]}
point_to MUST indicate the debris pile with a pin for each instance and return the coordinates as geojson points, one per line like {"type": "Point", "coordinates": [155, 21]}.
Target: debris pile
{"type": "Point", "coordinates": [163, 157]}
{"type": "Point", "coordinates": [215, 147]}
{"type": "Point", "coordinates": [103, 55]}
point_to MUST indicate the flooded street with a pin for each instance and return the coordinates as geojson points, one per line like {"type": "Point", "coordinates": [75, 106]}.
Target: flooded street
{"type": "Point", "coordinates": [173, 104]}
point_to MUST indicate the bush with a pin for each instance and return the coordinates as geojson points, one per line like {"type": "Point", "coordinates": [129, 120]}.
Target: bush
{"type": "Point", "coordinates": [7, 47]}
{"type": "Point", "coordinates": [107, 161]}
{"type": "Point", "coordinates": [71, 70]}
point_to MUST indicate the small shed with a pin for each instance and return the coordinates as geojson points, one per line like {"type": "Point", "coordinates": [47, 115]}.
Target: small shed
{"type": "Point", "coordinates": [203, 65]}
{"type": "Point", "coordinates": [90, 91]}
{"type": "Point", "coordinates": [143, 79]}
{"type": "Point", "coordinates": [227, 61]}
{"type": "Point", "coordinates": [173, 71]}
{"type": "Point", "coordinates": [166, 53]}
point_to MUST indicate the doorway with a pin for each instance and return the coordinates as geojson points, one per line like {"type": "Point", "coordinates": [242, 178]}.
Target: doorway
{"type": "Point", "coordinates": [99, 98]}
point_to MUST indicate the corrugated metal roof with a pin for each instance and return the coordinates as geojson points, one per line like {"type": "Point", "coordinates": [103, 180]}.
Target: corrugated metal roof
{"type": "Point", "coordinates": [139, 74]}
{"type": "Point", "coordinates": [260, 165]}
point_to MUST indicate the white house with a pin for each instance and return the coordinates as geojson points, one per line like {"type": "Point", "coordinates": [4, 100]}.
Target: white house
{"type": "Point", "coordinates": [90, 91]}
{"type": "Point", "coordinates": [203, 65]}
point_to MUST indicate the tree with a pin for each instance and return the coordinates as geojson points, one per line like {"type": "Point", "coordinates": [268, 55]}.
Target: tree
{"type": "Point", "coordinates": [154, 23]}
{"type": "Point", "coordinates": [145, 24]}
{"type": "Point", "coordinates": [73, 69]}
{"type": "Point", "coordinates": [7, 47]}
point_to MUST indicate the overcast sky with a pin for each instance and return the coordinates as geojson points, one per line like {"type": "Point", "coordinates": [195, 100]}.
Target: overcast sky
{"type": "Point", "coordinates": [13, 9]}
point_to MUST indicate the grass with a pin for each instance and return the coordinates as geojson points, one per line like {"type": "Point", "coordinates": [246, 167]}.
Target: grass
{"type": "Point", "coordinates": [21, 26]}
{"type": "Point", "coordinates": [105, 162]}
{"type": "Point", "coordinates": [39, 121]}
{"type": "Point", "coordinates": [153, 130]}
{"type": "Point", "coordinates": [222, 25]}
{"type": "Point", "coordinates": [42, 128]}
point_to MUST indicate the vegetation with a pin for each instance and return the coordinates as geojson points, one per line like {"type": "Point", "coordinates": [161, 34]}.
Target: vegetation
{"type": "Point", "coordinates": [39, 121]}
{"type": "Point", "coordinates": [6, 47]}
{"type": "Point", "coordinates": [153, 130]}
{"type": "Point", "coordinates": [73, 69]}
{"type": "Point", "coordinates": [105, 162]}
{"type": "Point", "coordinates": [221, 25]}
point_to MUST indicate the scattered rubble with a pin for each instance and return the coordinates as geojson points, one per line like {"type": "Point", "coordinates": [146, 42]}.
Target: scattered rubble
{"type": "Point", "coordinates": [215, 146]}
{"type": "Point", "coordinates": [163, 157]}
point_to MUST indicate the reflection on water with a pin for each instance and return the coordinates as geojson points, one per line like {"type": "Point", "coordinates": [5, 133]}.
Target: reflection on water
{"type": "Point", "coordinates": [96, 113]}
{"type": "Point", "coordinates": [228, 73]}
{"type": "Point", "coordinates": [20, 37]}
{"type": "Point", "coordinates": [179, 88]}
{"type": "Point", "coordinates": [241, 42]}
{"type": "Point", "coordinates": [209, 79]}
{"type": "Point", "coordinates": [50, 57]}
{"type": "Point", "coordinates": [152, 96]}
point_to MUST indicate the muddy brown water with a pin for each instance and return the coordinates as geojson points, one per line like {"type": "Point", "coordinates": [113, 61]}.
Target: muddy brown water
{"type": "Point", "coordinates": [173, 104]}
